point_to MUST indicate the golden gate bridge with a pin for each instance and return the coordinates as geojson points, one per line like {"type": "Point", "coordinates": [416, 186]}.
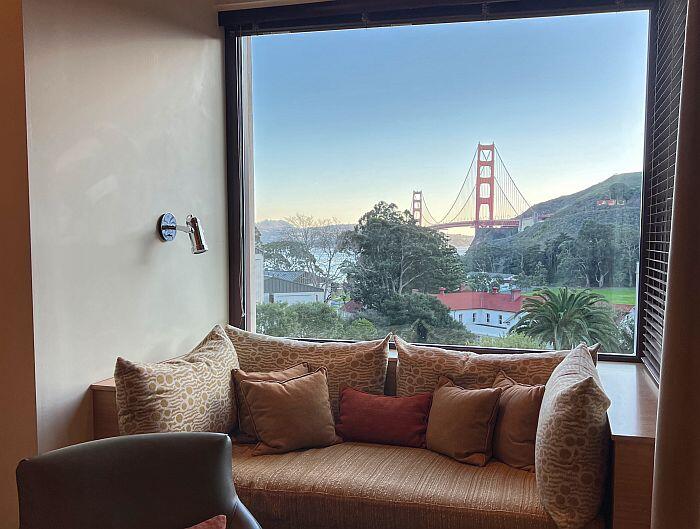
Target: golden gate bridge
{"type": "Point", "coordinates": [488, 198]}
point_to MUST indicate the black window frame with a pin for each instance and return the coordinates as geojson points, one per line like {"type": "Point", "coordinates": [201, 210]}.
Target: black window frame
{"type": "Point", "coordinates": [348, 14]}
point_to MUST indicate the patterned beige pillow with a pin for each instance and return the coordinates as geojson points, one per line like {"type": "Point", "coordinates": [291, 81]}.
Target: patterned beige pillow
{"type": "Point", "coordinates": [360, 365]}
{"type": "Point", "coordinates": [572, 442]}
{"type": "Point", "coordinates": [192, 393]}
{"type": "Point", "coordinates": [420, 367]}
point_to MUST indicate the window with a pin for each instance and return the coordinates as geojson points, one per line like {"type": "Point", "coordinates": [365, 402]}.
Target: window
{"type": "Point", "coordinates": [344, 129]}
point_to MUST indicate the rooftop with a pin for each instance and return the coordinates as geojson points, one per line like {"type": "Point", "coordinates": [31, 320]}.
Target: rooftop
{"type": "Point", "coordinates": [465, 300]}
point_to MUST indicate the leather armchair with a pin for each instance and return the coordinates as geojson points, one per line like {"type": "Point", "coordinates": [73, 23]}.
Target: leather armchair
{"type": "Point", "coordinates": [154, 481]}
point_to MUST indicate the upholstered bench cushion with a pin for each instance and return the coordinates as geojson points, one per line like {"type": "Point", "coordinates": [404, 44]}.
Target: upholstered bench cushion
{"type": "Point", "coordinates": [361, 486]}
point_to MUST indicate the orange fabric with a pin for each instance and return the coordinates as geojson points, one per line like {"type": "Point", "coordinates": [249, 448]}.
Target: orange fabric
{"type": "Point", "coordinates": [367, 486]}
{"type": "Point", "coordinates": [516, 426]}
{"type": "Point", "coordinates": [461, 422]}
{"type": "Point", "coordinates": [218, 522]}
{"type": "Point", "coordinates": [246, 432]}
{"type": "Point", "coordinates": [290, 415]}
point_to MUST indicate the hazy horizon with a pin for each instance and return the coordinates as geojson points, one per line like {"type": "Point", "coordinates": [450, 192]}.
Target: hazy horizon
{"type": "Point", "coordinates": [345, 119]}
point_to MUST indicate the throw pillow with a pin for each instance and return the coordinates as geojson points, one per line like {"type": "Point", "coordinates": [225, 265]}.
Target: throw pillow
{"type": "Point", "coordinates": [461, 422]}
{"type": "Point", "coordinates": [246, 433]}
{"type": "Point", "coordinates": [290, 415]}
{"type": "Point", "coordinates": [192, 393]}
{"type": "Point", "coordinates": [361, 365]}
{"type": "Point", "coordinates": [421, 366]}
{"type": "Point", "coordinates": [516, 426]}
{"type": "Point", "coordinates": [379, 419]}
{"type": "Point", "coordinates": [572, 442]}
{"type": "Point", "coordinates": [218, 522]}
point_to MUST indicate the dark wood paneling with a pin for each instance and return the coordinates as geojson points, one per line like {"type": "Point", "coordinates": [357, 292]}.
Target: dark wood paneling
{"type": "Point", "coordinates": [235, 181]}
{"type": "Point", "coordinates": [348, 14]}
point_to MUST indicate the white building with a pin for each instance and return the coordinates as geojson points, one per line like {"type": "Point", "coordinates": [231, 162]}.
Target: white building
{"type": "Point", "coordinates": [278, 290]}
{"type": "Point", "coordinates": [484, 313]}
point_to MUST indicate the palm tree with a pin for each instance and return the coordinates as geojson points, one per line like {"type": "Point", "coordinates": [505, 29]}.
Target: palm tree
{"type": "Point", "coordinates": [566, 318]}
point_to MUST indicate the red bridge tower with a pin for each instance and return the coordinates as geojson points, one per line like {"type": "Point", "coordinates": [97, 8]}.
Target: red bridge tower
{"type": "Point", "coordinates": [485, 157]}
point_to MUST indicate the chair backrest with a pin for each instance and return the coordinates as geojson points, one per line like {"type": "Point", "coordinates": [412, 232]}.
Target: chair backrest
{"type": "Point", "coordinates": [154, 481]}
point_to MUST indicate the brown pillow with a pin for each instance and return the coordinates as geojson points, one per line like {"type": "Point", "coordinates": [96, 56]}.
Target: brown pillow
{"type": "Point", "coordinates": [461, 422]}
{"type": "Point", "coordinates": [359, 365]}
{"type": "Point", "coordinates": [516, 426]}
{"type": "Point", "coordinates": [246, 432]}
{"type": "Point", "coordinates": [290, 415]}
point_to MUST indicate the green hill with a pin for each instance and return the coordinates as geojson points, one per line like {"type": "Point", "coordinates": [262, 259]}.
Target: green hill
{"type": "Point", "coordinates": [568, 213]}
{"type": "Point", "coordinates": [555, 250]}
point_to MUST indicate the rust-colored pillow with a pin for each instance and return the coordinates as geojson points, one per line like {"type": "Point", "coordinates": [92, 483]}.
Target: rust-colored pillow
{"type": "Point", "coordinates": [246, 433]}
{"type": "Point", "coordinates": [290, 415]}
{"type": "Point", "coordinates": [400, 421]}
{"type": "Point", "coordinates": [461, 422]}
{"type": "Point", "coordinates": [218, 522]}
{"type": "Point", "coordinates": [516, 426]}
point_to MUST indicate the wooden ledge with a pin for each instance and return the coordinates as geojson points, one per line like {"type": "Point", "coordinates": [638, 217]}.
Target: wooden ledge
{"type": "Point", "coordinates": [103, 385]}
{"type": "Point", "coordinates": [634, 400]}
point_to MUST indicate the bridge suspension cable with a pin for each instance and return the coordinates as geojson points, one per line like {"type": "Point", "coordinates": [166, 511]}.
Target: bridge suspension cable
{"type": "Point", "coordinates": [488, 196]}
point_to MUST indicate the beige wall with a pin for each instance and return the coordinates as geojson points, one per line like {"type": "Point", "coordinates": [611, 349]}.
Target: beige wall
{"type": "Point", "coordinates": [126, 121]}
{"type": "Point", "coordinates": [17, 415]}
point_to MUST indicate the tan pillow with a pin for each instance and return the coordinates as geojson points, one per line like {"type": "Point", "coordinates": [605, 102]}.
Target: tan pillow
{"type": "Point", "coordinates": [461, 422]}
{"type": "Point", "coordinates": [360, 365]}
{"type": "Point", "coordinates": [192, 393]}
{"type": "Point", "coordinates": [290, 415]}
{"type": "Point", "coordinates": [572, 442]}
{"type": "Point", "coordinates": [421, 366]}
{"type": "Point", "coordinates": [246, 432]}
{"type": "Point", "coordinates": [516, 426]}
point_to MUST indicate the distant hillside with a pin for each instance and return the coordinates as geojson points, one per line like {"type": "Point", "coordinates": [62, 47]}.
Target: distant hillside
{"type": "Point", "coordinates": [272, 230]}
{"type": "Point", "coordinates": [569, 212]}
{"type": "Point", "coordinates": [278, 230]}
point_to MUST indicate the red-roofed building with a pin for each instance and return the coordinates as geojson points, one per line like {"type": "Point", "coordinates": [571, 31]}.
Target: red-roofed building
{"type": "Point", "coordinates": [484, 313]}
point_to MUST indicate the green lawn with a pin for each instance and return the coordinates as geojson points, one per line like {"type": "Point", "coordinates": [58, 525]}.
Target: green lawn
{"type": "Point", "coordinates": [621, 295]}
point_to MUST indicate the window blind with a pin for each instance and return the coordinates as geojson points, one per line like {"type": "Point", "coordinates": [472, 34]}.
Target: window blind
{"type": "Point", "coordinates": [667, 46]}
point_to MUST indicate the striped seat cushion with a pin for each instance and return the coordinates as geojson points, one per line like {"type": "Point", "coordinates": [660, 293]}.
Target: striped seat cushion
{"type": "Point", "coordinates": [360, 486]}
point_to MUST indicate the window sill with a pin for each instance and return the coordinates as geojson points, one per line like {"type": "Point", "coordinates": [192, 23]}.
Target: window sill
{"type": "Point", "coordinates": [634, 399]}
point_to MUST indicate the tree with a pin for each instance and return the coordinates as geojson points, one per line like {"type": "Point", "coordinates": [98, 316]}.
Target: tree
{"type": "Point", "coordinates": [324, 240]}
{"type": "Point", "coordinates": [275, 319]}
{"type": "Point", "coordinates": [627, 256]}
{"type": "Point", "coordinates": [566, 317]}
{"type": "Point", "coordinates": [288, 255]}
{"type": "Point", "coordinates": [360, 329]}
{"type": "Point", "coordinates": [481, 282]}
{"type": "Point", "coordinates": [510, 341]}
{"type": "Point", "coordinates": [595, 247]}
{"type": "Point", "coordinates": [419, 318]}
{"type": "Point", "coordinates": [395, 256]}
{"type": "Point", "coordinates": [317, 320]}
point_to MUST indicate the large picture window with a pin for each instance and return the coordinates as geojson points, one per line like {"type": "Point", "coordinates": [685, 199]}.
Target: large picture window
{"type": "Point", "coordinates": [467, 184]}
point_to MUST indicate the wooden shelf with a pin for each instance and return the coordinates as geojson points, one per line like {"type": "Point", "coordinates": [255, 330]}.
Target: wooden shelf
{"type": "Point", "coordinates": [634, 400]}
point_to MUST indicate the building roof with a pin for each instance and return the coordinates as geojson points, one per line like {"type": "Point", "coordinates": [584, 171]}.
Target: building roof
{"type": "Point", "coordinates": [510, 302]}
{"type": "Point", "coordinates": [275, 285]}
{"type": "Point", "coordinates": [351, 307]}
{"type": "Point", "coordinates": [297, 276]}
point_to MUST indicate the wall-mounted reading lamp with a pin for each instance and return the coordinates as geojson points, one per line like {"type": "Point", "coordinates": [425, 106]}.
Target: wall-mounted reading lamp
{"type": "Point", "coordinates": [168, 228]}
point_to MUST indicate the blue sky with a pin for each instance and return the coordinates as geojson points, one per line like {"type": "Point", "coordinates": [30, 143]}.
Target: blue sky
{"type": "Point", "coordinates": [344, 119]}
